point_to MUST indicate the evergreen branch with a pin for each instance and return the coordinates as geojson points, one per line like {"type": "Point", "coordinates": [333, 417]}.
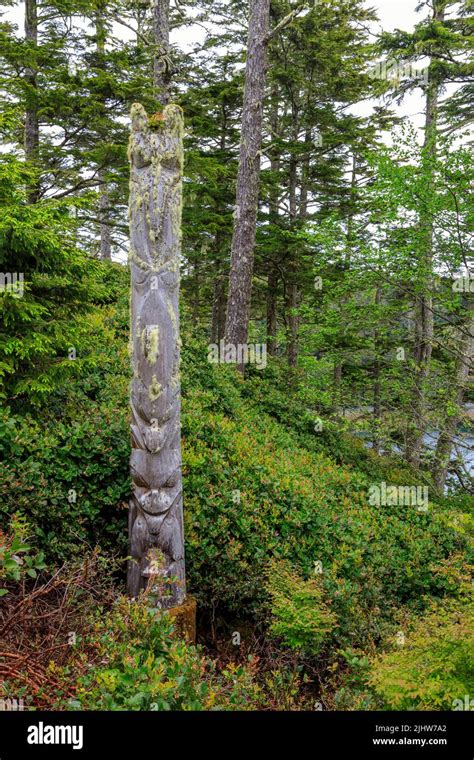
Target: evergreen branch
{"type": "Point", "coordinates": [285, 22]}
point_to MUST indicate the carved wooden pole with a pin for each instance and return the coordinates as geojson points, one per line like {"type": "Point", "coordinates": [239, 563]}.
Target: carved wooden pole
{"type": "Point", "coordinates": [156, 506]}
{"type": "Point", "coordinates": [161, 58]}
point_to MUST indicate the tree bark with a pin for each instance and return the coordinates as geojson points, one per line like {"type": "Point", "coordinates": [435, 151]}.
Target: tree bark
{"type": "Point", "coordinates": [273, 276]}
{"type": "Point", "coordinates": [31, 135]}
{"type": "Point", "coordinates": [156, 511]}
{"type": "Point", "coordinates": [444, 445]}
{"type": "Point", "coordinates": [293, 320]}
{"type": "Point", "coordinates": [218, 308]}
{"type": "Point", "coordinates": [337, 387]}
{"type": "Point", "coordinates": [339, 369]}
{"type": "Point", "coordinates": [272, 285]}
{"type": "Point", "coordinates": [305, 167]}
{"type": "Point", "coordinates": [243, 239]}
{"type": "Point", "coordinates": [105, 230]}
{"type": "Point", "coordinates": [424, 325]}
{"type": "Point", "coordinates": [161, 58]}
{"type": "Point", "coordinates": [292, 288]}
{"type": "Point", "coordinates": [196, 285]}
{"type": "Point", "coordinates": [377, 387]}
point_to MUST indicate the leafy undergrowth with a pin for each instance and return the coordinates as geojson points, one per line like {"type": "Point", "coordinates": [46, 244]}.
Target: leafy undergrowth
{"type": "Point", "coordinates": [432, 667]}
{"type": "Point", "coordinates": [70, 642]}
{"type": "Point", "coordinates": [264, 495]}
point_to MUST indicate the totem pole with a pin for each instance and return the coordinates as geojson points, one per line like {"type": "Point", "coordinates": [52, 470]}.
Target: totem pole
{"type": "Point", "coordinates": [156, 506]}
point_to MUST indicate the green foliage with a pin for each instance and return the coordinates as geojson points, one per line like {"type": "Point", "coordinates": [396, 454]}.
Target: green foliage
{"type": "Point", "coordinates": [41, 320]}
{"type": "Point", "coordinates": [259, 484]}
{"type": "Point", "coordinates": [68, 471]}
{"type": "Point", "coordinates": [255, 490]}
{"type": "Point", "coordinates": [140, 665]}
{"type": "Point", "coordinates": [300, 615]}
{"type": "Point", "coordinates": [354, 692]}
{"type": "Point", "coordinates": [435, 666]}
{"type": "Point", "coordinates": [14, 543]}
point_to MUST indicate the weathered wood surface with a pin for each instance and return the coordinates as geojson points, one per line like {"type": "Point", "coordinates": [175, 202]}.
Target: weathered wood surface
{"type": "Point", "coordinates": [156, 506]}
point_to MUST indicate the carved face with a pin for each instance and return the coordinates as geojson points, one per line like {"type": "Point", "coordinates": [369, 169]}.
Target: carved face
{"type": "Point", "coordinates": [140, 277]}
{"type": "Point", "coordinates": [155, 471]}
{"type": "Point", "coordinates": [157, 501]}
{"type": "Point", "coordinates": [163, 407]}
{"type": "Point", "coordinates": [154, 524]}
{"type": "Point", "coordinates": [154, 436]}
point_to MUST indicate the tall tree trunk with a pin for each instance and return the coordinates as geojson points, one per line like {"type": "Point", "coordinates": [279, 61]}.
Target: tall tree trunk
{"type": "Point", "coordinates": [292, 288]}
{"type": "Point", "coordinates": [338, 370]}
{"type": "Point", "coordinates": [377, 388]}
{"type": "Point", "coordinates": [273, 276]}
{"type": "Point", "coordinates": [272, 285]}
{"type": "Point", "coordinates": [305, 167]}
{"type": "Point", "coordinates": [156, 509]}
{"type": "Point", "coordinates": [293, 304]}
{"type": "Point", "coordinates": [196, 284]}
{"type": "Point", "coordinates": [31, 136]}
{"type": "Point", "coordinates": [243, 239]}
{"type": "Point", "coordinates": [424, 327]}
{"type": "Point", "coordinates": [444, 445]}
{"type": "Point", "coordinates": [218, 308]}
{"type": "Point", "coordinates": [337, 387]}
{"type": "Point", "coordinates": [104, 216]}
{"type": "Point", "coordinates": [220, 245]}
{"type": "Point", "coordinates": [161, 58]}
{"type": "Point", "coordinates": [105, 230]}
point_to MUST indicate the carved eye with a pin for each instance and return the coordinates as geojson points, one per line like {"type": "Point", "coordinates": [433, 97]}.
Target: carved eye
{"type": "Point", "coordinates": [138, 478]}
{"type": "Point", "coordinates": [140, 276]}
{"type": "Point", "coordinates": [172, 481]}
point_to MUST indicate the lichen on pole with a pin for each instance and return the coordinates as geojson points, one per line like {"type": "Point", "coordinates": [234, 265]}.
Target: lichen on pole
{"type": "Point", "coordinates": [156, 506]}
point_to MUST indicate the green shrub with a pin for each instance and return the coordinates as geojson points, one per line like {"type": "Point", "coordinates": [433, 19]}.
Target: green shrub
{"type": "Point", "coordinates": [138, 664]}
{"type": "Point", "coordinates": [16, 560]}
{"type": "Point", "coordinates": [66, 469]}
{"type": "Point", "coordinates": [434, 666]}
{"type": "Point", "coordinates": [258, 484]}
{"type": "Point", "coordinates": [300, 615]}
{"type": "Point", "coordinates": [253, 492]}
{"type": "Point", "coordinates": [70, 480]}
{"type": "Point", "coordinates": [348, 688]}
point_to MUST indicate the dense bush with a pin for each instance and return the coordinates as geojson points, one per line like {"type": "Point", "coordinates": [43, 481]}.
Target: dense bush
{"type": "Point", "coordinates": [434, 668]}
{"type": "Point", "coordinates": [259, 484]}
{"type": "Point", "coordinates": [18, 560]}
{"type": "Point", "coordinates": [70, 479]}
{"type": "Point", "coordinates": [253, 493]}
{"type": "Point", "coordinates": [67, 466]}
{"type": "Point", "coordinates": [300, 616]}
{"type": "Point", "coordinates": [138, 664]}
